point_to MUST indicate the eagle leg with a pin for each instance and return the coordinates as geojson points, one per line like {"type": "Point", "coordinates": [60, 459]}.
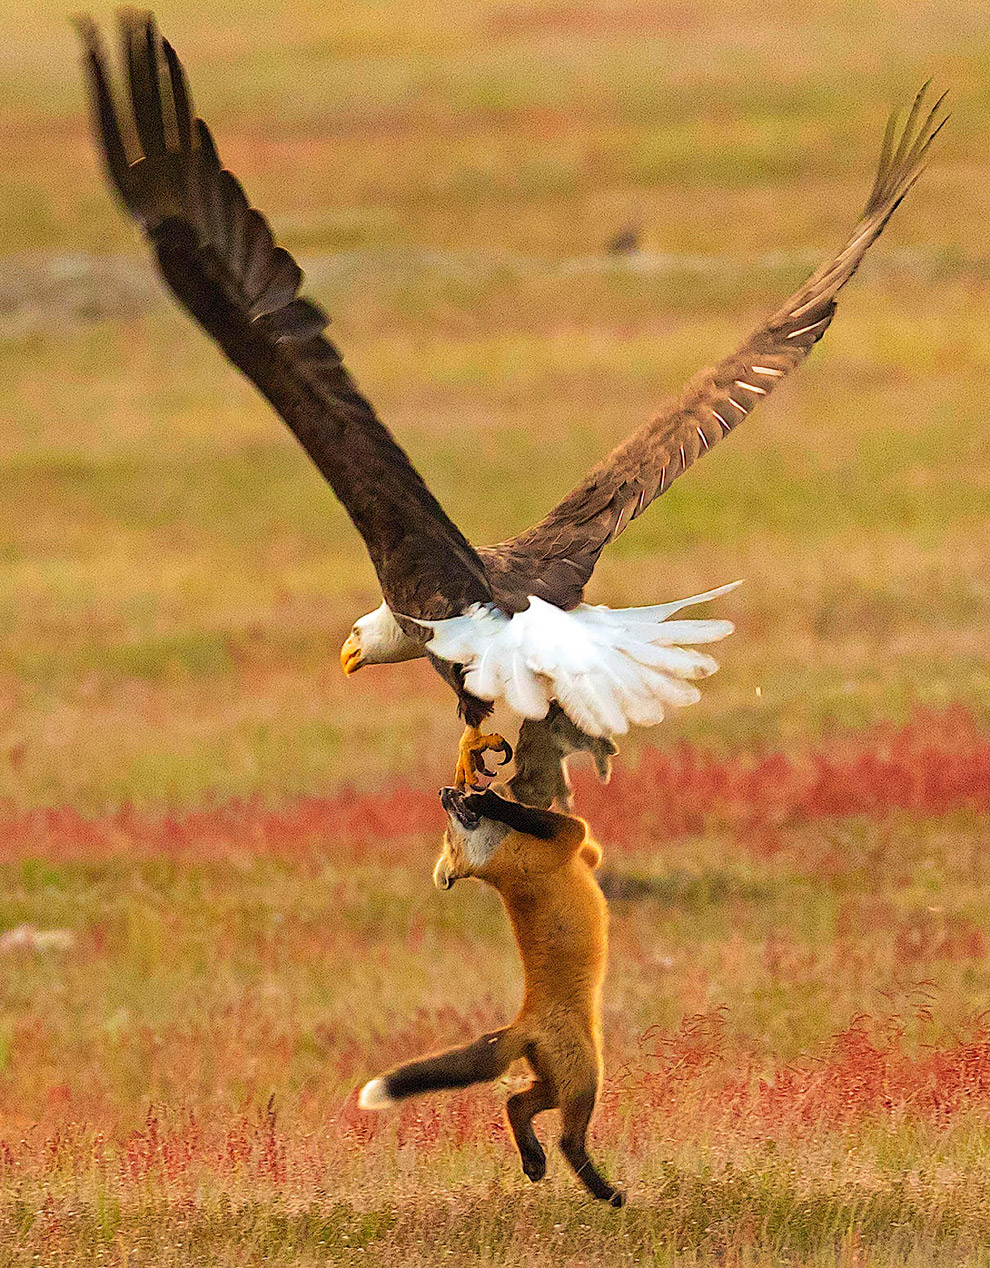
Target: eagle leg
{"type": "Point", "coordinates": [471, 755]}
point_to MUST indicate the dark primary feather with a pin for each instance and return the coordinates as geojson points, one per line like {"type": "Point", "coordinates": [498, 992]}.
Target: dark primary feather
{"type": "Point", "coordinates": [555, 558]}
{"type": "Point", "coordinates": [219, 258]}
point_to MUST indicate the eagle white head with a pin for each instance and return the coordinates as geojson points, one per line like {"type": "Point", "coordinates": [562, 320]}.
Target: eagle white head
{"type": "Point", "coordinates": [376, 639]}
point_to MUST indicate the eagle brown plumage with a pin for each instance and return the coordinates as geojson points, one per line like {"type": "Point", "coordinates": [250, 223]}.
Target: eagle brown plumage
{"type": "Point", "coordinates": [219, 258]}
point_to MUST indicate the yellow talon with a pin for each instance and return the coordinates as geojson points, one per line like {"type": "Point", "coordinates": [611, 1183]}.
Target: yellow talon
{"type": "Point", "coordinates": [470, 755]}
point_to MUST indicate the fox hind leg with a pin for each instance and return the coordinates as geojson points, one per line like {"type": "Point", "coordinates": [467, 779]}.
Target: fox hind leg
{"type": "Point", "coordinates": [575, 1116]}
{"type": "Point", "coordinates": [521, 1109]}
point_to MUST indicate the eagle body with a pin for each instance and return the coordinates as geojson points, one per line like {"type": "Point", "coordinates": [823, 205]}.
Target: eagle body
{"type": "Point", "coordinates": [606, 668]}
{"type": "Point", "coordinates": [504, 622]}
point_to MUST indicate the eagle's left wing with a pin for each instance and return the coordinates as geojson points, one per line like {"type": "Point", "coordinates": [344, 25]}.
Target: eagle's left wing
{"type": "Point", "coordinates": [555, 558]}
{"type": "Point", "coordinates": [219, 258]}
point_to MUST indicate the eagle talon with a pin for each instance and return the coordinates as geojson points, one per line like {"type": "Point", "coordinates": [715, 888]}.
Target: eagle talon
{"type": "Point", "coordinates": [471, 757]}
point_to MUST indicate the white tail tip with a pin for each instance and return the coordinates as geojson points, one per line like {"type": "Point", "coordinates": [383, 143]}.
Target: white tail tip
{"type": "Point", "coordinates": [374, 1096]}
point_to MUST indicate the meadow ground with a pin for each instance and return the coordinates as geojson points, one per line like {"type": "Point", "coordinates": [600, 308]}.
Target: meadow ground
{"type": "Point", "coordinates": [232, 845]}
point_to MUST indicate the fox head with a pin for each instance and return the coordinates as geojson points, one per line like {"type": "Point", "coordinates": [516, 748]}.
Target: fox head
{"type": "Point", "coordinates": [486, 833]}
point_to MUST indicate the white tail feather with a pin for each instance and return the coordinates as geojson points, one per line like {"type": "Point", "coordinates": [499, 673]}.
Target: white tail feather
{"type": "Point", "coordinates": [607, 668]}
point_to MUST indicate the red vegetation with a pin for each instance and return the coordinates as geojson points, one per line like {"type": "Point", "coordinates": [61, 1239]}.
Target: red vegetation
{"type": "Point", "coordinates": [688, 1083]}
{"type": "Point", "coordinates": [864, 1076]}
{"type": "Point", "coordinates": [936, 763]}
{"type": "Point", "coordinates": [866, 1072]}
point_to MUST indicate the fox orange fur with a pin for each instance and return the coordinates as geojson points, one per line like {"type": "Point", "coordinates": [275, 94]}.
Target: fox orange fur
{"type": "Point", "coordinates": [542, 865]}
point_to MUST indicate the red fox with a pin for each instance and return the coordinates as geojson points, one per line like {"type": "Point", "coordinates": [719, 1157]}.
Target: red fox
{"type": "Point", "coordinates": [542, 865]}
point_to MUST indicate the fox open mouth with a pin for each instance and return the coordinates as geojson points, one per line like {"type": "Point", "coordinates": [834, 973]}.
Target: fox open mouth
{"type": "Point", "coordinates": [453, 801]}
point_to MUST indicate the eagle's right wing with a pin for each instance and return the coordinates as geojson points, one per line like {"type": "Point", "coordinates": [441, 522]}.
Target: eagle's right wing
{"type": "Point", "coordinates": [218, 256]}
{"type": "Point", "coordinates": [555, 558]}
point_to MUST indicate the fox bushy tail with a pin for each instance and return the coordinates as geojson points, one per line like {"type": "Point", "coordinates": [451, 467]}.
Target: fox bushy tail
{"type": "Point", "coordinates": [482, 1061]}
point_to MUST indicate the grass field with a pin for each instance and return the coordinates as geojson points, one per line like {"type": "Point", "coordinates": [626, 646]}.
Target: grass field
{"type": "Point", "coordinates": [229, 846]}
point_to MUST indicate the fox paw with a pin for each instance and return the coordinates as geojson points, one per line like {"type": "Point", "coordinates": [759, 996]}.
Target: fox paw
{"type": "Point", "coordinates": [535, 1166]}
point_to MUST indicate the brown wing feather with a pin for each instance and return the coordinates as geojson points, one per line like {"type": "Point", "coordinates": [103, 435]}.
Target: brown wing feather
{"type": "Point", "coordinates": [218, 256]}
{"type": "Point", "coordinates": [555, 558]}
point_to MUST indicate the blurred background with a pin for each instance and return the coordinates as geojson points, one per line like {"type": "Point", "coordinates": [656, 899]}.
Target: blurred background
{"type": "Point", "coordinates": [175, 579]}
{"type": "Point", "coordinates": [530, 223]}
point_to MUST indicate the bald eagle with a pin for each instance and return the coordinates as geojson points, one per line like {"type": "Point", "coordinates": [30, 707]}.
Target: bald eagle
{"type": "Point", "coordinates": [505, 622]}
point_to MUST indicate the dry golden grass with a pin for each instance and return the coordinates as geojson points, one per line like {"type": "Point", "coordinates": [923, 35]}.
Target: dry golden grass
{"type": "Point", "coordinates": [175, 581]}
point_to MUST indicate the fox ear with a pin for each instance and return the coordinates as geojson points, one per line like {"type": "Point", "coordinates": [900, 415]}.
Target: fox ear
{"type": "Point", "coordinates": [591, 852]}
{"type": "Point", "coordinates": [573, 833]}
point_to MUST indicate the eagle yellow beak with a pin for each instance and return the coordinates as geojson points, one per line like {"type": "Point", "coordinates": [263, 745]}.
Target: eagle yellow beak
{"type": "Point", "coordinates": [351, 658]}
